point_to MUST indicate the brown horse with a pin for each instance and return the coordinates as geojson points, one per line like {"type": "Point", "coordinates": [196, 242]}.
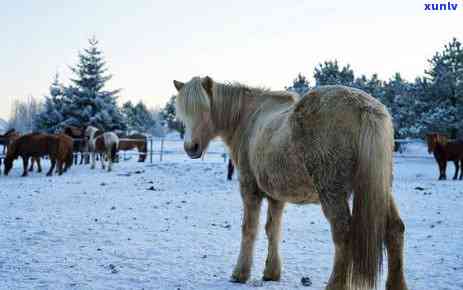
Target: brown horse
{"type": "Point", "coordinates": [320, 148]}
{"type": "Point", "coordinates": [79, 144]}
{"type": "Point", "coordinates": [445, 150]}
{"type": "Point", "coordinates": [38, 145]}
{"type": "Point", "coordinates": [9, 137]}
{"type": "Point", "coordinates": [133, 141]}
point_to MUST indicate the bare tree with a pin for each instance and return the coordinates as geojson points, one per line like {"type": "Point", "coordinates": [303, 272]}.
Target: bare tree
{"type": "Point", "coordinates": [23, 114]}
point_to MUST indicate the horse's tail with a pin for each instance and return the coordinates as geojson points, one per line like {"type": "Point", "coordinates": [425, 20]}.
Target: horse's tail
{"type": "Point", "coordinates": [371, 197]}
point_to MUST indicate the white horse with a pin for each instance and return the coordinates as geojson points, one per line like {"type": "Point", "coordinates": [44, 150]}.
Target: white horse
{"type": "Point", "coordinates": [107, 144]}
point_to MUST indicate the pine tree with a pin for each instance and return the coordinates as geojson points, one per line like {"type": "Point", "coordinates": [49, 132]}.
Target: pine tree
{"type": "Point", "coordinates": [374, 86]}
{"type": "Point", "coordinates": [300, 85]}
{"type": "Point", "coordinates": [138, 117]}
{"type": "Point", "coordinates": [446, 77]}
{"type": "Point", "coordinates": [89, 103]}
{"type": "Point", "coordinates": [51, 118]}
{"type": "Point", "coordinates": [169, 115]}
{"type": "Point", "coordinates": [329, 73]}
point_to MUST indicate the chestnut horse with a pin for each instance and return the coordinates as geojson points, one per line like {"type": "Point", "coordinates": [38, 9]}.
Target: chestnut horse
{"type": "Point", "coordinates": [9, 137]}
{"type": "Point", "coordinates": [57, 147]}
{"type": "Point", "coordinates": [320, 148]}
{"type": "Point", "coordinates": [134, 141]}
{"type": "Point", "coordinates": [445, 150]}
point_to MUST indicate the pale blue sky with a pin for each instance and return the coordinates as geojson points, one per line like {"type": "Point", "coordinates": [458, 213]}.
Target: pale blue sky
{"type": "Point", "coordinates": [147, 44]}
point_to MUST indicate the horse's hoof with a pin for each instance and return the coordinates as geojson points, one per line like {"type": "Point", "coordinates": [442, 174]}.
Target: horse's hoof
{"type": "Point", "coordinates": [239, 278]}
{"type": "Point", "coordinates": [271, 278]}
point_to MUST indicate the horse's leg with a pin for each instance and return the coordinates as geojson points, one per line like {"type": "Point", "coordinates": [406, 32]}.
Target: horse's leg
{"type": "Point", "coordinates": [25, 163]}
{"type": "Point", "coordinates": [442, 169]}
{"type": "Point", "coordinates": [395, 245]}
{"type": "Point", "coordinates": [336, 209]}
{"type": "Point", "coordinates": [31, 167]}
{"type": "Point", "coordinates": [93, 161]}
{"type": "Point", "coordinates": [231, 169]}
{"type": "Point", "coordinates": [461, 169]}
{"type": "Point", "coordinates": [39, 166]}
{"type": "Point", "coordinates": [59, 166]}
{"type": "Point", "coordinates": [272, 270]}
{"type": "Point", "coordinates": [102, 162]}
{"type": "Point", "coordinates": [110, 159]}
{"type": "Point", "coordinates": [52, 167]}
{"type": "Point", "coordinates": [457, 167]}
{"type": "Point", "coordinates": [251, 202]}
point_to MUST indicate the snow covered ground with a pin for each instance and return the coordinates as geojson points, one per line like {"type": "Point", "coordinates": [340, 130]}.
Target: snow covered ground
{"type": "Point", "coordinates": [176, 225]}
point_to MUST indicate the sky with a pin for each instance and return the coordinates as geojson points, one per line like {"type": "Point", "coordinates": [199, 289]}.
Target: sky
{"type": "Point", "coordinates": [148, 44]}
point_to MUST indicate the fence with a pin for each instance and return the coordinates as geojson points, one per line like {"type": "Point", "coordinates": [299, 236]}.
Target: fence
{"type": "Point", "coordinates": [172, 149]}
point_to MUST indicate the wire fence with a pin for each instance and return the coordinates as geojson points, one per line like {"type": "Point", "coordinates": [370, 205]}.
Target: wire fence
{"type": "Point", "coordinates": [162, 149]}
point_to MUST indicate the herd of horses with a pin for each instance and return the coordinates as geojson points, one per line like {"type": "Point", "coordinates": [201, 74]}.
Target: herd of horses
{"type": "Point", "coordinates": [64, 148]}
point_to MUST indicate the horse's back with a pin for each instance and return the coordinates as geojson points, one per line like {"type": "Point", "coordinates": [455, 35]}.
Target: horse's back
{"type": "Point", "coordinates": [36, 144]}
{"type": "Point", "coordinates": [316, 137]}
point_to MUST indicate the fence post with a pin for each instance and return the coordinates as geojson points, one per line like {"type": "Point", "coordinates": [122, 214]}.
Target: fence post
{"type": "Point", "coordinates": [162, 149]}
{"type": "Point", "coordinates": [151, 150]}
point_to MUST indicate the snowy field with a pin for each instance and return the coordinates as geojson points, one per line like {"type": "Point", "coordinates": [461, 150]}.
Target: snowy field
{"type": "Point", "coordinates": [176, 225]}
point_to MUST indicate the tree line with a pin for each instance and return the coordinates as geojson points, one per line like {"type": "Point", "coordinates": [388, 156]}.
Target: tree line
{"type": "Point", "coordinates": [432, 102]}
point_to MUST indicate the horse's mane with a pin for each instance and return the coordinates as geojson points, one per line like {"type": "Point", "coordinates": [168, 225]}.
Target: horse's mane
{"type": "Point", "coordinates": [226, 98]}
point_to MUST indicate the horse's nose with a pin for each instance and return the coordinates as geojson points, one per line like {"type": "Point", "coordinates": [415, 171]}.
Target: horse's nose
{"type": "Point", "coordinates": [192, 149]}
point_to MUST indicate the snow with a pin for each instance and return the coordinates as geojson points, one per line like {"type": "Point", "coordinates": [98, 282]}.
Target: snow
{"type": "Point", "coordinates": [176, 225]}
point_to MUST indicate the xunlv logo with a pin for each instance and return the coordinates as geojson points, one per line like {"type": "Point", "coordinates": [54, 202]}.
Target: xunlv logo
{"type": "Point", "coordinates": [441, 6]}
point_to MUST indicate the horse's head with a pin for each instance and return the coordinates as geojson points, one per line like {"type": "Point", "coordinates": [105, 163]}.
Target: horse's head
{"type": "Point", "coordinates": [433, 139]}
{"type": "Point", "coordinates": [10, 157]}
{"type": "Point", "coordinates": [193, 106]}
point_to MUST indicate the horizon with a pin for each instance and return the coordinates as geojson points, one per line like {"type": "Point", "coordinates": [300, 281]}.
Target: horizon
{"type": "Point", "coordinates": [147, 46]}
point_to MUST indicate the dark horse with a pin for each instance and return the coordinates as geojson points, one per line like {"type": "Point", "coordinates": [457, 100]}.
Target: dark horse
{"type": "Point", "coordinates": [80, 146]}
{"type": "Point", "coordinates": [134, 141]}
{"type": "Point", "coordinates": [445, 150]}
{"type": "Point", "coordinates": [35, 145]}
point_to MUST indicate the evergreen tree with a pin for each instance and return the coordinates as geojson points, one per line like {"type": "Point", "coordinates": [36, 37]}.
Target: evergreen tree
{"type": "Point", "coordinates": [374, 86]}
{"type": "Point", "coordinates": [51, 117]}
{"type": "Point", "coordinates": [446, 77]}
{"type": "Point", "coordinates": [300, 85]}
{"type": "Point", "coordinates": [329, 73]}
{"type": "Point", "coordinates": [401, 104]}
{"type": "Point", "coordinates": [89, 103]}
{"type": "Point", "coordinates": [138, 117]}
{"type": "Point", "coordinates": [169, 115]}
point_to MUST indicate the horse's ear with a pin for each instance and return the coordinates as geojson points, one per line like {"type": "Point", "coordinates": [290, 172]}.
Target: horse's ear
{"type": "Point", "coordinates": [178, 85]}
{"type": "Point", "coordinates": [207, 83]}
